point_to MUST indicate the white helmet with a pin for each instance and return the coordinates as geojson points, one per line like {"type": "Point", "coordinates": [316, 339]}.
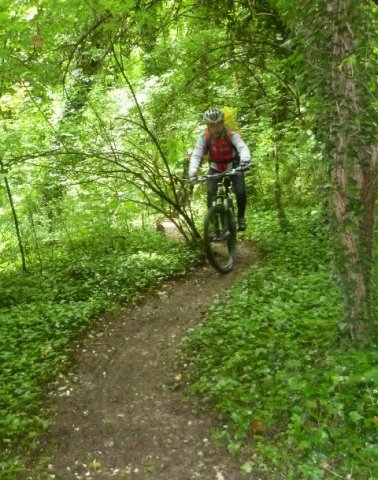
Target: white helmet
{"type": "Point", "coordinates": [213, 115]}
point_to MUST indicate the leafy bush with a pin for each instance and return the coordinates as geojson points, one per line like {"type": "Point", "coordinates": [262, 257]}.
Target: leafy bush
{"type": "Point", "coordinates": [41, 315]}
{"type": "Point", "coordinates": [270, 362]}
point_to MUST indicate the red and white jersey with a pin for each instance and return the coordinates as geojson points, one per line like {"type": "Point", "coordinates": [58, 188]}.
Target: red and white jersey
{"type": "Point", "coordinates": [221, 151]}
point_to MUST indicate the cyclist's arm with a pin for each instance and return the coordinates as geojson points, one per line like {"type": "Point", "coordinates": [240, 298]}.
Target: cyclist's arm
{"type": "Point", "coordinates": [241, 147]}
{"type": "Point", "coordinates": [196, 156]}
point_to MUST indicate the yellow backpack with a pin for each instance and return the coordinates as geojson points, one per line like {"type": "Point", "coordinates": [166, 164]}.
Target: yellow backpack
{"type": "Point", "coordinates": [230, 120]}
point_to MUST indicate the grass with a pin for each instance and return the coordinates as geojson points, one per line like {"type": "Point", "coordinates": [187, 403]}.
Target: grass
{"type": "Point", "coordinates": [43, 314]}
{"type": "Point", "coordinates": [296, 399]}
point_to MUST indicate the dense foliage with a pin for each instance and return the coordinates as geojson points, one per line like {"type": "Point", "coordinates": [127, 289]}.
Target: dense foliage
{"type": "Point", "coordinates": [43, 317]}
{"type": "Point", "coordinates": [99, 102]}
{"type": "Point", "coordinates": [294, 400]}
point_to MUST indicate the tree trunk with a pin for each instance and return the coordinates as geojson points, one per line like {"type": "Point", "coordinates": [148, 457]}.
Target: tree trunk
{"type": "Point", "coordinates": [367, 221]}
{"type": "Point", "coordinates": [353, 170]}
{"type": "Point", "coordinates": [15, 218]}
{"type": "Point", "coordinates": [281, 215]}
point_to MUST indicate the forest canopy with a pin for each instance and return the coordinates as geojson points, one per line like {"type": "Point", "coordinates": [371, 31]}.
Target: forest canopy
{"type": "Point", "coordinates": [101, 100]}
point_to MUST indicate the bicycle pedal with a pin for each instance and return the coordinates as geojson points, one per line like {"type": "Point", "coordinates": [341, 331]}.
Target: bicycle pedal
{"type": "Point", "coordinates": [241, 225]}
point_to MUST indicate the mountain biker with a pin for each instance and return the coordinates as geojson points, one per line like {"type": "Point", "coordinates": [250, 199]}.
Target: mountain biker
{"type": "Point", "coordinates": [226, 150]}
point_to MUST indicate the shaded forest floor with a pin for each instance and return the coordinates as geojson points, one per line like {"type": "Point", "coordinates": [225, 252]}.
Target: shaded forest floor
{"type": "Point", "coordinates": [122, 414]}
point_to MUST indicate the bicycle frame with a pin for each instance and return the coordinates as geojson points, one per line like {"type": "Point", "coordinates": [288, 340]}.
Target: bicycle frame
{"type": "Point", "coordinates": [225, 178]}
{"type": "Point", "coordinates": [225, 190]}
{"type": "Point", "coordinates": [219, 223]}
{"type": "Point", "coordinates": [224, 193]}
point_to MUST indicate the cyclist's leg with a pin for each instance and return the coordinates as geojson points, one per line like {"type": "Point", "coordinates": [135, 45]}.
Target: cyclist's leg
{"type": "Point", "coordinates": [211, 193]}
{"type": "Point", "coordinates": [211, 187]}
{"type": "Point", "coordinates": [238, 182]}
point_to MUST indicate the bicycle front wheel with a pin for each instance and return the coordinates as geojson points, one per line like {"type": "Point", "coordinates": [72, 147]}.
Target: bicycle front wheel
{"type": "Point", "coordinates": [220, 238]}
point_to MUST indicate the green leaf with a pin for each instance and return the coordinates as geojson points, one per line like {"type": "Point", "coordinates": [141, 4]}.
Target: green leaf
{"type": "Point", "coordinates": [247, 468]}
{"type": "Point", "coordinates": [355, 416]}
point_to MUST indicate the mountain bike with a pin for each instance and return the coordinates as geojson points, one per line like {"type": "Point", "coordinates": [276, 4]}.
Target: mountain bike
{"type": "Point", "coordinates": [220, 225]}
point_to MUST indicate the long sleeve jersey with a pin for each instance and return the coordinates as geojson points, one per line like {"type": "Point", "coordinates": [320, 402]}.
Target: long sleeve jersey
{"type": "Point", "coordinates": [201, 149]}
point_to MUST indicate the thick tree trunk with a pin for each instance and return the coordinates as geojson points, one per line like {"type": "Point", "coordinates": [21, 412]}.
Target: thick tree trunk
{"type": "Point", "coordinates": [368, 198]}
{"type": "Point", "coordinates": [353, 171]}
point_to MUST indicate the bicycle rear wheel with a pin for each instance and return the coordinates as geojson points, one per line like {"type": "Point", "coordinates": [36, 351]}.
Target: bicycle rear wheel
{"type": "Point", "coordinates": [220, 238]}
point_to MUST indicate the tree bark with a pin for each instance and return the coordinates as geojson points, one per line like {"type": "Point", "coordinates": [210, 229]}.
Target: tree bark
{"type": "Point", "coordinates": [353, 170]}
{"type": "Point", "coordinates": [281, 215]}
{"type": "Point", "coordinates": [15, 218]}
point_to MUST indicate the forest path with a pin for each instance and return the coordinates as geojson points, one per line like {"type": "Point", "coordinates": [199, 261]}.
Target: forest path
{"type": "Point", "coordinates": [119, 417]}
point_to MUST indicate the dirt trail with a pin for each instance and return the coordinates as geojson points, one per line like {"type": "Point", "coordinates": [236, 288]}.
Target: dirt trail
{"type": "Point", "coordinates": [119, 416]}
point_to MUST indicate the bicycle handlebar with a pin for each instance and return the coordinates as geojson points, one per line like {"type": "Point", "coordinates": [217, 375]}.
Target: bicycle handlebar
{"type": "Point", "coordinates": [227, 173]}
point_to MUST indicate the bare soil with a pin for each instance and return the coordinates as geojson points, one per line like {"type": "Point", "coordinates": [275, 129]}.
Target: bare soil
{"type": "Point", "coordinates": [119, 415]}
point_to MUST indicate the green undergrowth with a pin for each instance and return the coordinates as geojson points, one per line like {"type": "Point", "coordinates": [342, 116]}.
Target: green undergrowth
{"type": "Point", "coordinates": [297, 401]}
{"type": "Point", "coordinates": [43, 312]}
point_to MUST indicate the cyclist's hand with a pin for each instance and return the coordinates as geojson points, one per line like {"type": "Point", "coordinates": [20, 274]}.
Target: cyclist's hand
{"type": "Point", "coordinates": [193, 179]}
{"type": "Point", "coordinates": [245, 165]}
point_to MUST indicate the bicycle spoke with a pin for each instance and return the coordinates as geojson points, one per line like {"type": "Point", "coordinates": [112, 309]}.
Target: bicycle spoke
{"type": "Point", "coordinates": [220, 239]}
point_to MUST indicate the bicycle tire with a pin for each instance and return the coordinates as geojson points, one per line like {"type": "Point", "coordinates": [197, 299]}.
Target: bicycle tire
{"type": "Point", "coordinates": [220, 243]}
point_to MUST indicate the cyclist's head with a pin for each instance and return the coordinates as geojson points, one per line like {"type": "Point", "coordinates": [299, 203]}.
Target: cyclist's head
{"type": "Point", "coordinates": [213, 115]}
{"type": "Point", "coordinates": [215, 121]}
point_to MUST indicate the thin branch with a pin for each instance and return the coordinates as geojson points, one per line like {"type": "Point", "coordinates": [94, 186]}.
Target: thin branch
{"type": "Point", "coordinates": [81, 40]}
